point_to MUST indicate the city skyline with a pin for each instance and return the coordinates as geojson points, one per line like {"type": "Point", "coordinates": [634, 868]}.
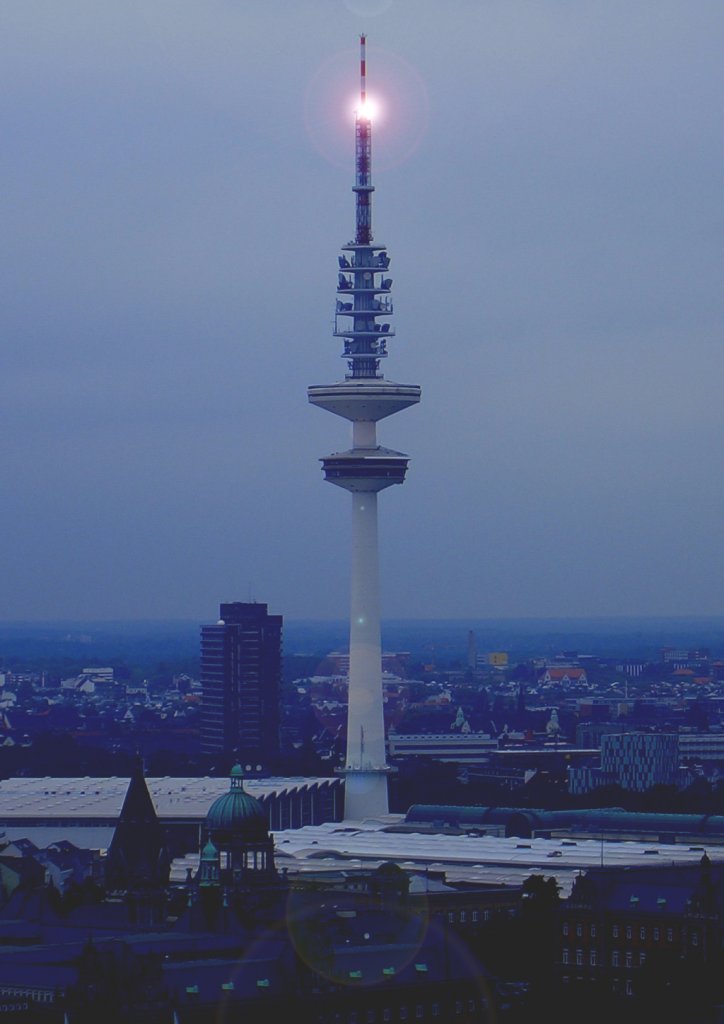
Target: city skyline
{"type": "Point", "coordinates": [176, 181]}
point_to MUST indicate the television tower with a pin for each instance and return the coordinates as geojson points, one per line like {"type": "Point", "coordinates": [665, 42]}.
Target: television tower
{"type": "Point", "coordinates": [364, 397]}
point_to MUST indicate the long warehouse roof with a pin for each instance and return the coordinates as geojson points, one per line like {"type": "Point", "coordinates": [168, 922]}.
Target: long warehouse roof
{"type": "Point", "coordinates": [90, 798]}
{"type": "Point", "coordinates": [481, 859]}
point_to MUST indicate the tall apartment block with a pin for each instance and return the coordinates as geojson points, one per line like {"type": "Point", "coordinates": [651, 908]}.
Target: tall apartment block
{"type": "Point", "coordinates": [241, 676]}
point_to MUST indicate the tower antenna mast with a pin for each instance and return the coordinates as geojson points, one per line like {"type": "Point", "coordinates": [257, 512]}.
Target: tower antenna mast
{"type": "Point", "coordinates": [363, 186]}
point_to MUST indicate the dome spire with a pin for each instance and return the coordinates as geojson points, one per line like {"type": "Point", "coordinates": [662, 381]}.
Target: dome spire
{"type": "Point", "coordinates": [237, 779]}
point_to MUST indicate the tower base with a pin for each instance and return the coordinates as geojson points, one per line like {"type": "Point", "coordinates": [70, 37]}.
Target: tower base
{"type": "Point", "coordinates": [365, 792]}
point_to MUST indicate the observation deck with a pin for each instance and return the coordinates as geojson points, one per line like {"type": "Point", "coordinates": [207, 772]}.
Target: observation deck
{"type": "Point", "coordinates": [365, 469]}
{"type": "Point", "coordinates": [365, 398]}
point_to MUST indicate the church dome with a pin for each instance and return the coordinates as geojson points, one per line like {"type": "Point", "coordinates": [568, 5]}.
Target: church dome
{"type": "Point", "coordinates": [238, 812]}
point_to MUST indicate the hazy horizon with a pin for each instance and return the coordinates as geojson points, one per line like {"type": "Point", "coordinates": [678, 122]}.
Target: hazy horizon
{"type": "Point", "coordinates": [151, 642]}
{"type": "Point", "coordinates": [185, 620]}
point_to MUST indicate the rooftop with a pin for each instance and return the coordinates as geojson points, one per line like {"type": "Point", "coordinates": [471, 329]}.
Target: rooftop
{"type": "Point", "coordinates": [100, 799]}
{"type": "Point", "coordinates": [481, 859]}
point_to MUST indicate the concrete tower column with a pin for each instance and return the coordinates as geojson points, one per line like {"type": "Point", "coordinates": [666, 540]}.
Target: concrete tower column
{"type": "Point", "coordinates": [366, 764]}
{"type": "Point", "coordinates": [364, 397]}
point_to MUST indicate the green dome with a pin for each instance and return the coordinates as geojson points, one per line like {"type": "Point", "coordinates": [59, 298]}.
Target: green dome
{"type": "Point", "coordinates": [238, 812]}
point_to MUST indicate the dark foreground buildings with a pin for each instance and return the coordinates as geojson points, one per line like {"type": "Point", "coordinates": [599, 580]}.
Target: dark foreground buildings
{"type": "Point", "coordinates": [648, 940]}
{"type": "Point", "coordinates": [236, 941]}
{"type": "Point", "coordinates": [241, 677]}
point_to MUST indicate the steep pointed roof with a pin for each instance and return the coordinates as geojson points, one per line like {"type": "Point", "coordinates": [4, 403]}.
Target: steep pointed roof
{"type": "Point", "coordinates": [137, 856]}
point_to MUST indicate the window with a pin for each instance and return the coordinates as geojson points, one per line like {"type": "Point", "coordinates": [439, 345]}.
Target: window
{"type": "Point", "coordinates": [579, 929]}
{"type": "Point", "coordinates": [615, 958]}
{"type": "Point", "coordinates": [669, 934]}
{"type": "Point", "coordinates": [629, 987]}
{"type": "Point", "coordinates": [565, 958]}
{"type": "Point", "coordinates": [471, 1005]}
{"type": "Point", "coordinates": [475, 915]}
{"type": "Point", "coordinates": [436, 1009]}
{"type": "Point", "coordinates": [486, 915]}
{"type": "Point", "coordinates": [657, 933]}
{"type": "Point", "coordinates": [642, 959]}
{"type": "Point", "coordinates": [579, 957]}
{"type": "Point", "coordinates": [592, 958]}
{"type": "Point", "coordinates": [403, 1013]}
{"type": "Point", "coordinates": [386, 1013]}
{"type": "Point", "coordinates": [614, 931]}
{"type": "Point", "coordinates": [629, 959]}
{"type": "Point", "coordinates": [451, 917]}
{"type": "Point", "coordinates": [458, 1006]}
{"type": "Point", "coordinates": [628, 931]}
{"type": "Point", "coordinates": [695, 938]}
{"type": "Point", "coordinates": [642, 933]}
{"type": "Point", "coordinates": [463, 917]}
{"type": "Point", "coordinates": [565, 927]}
{"type": "Point", "coordinates": [370, 1017]}
{"type": "Point", "coordinates": [419, 1011]}
{"type": "Point", "coordinates": [593, 931]}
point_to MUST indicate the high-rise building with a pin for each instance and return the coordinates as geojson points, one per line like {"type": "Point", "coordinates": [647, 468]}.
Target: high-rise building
{"type": "Point", "coordinates": [240, 676]}
{"type": "Point", "coordinates": [364, 397]}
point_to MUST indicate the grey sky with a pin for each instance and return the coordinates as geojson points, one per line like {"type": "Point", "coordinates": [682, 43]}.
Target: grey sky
{"type": "Point", "coordinates": [174, 193]}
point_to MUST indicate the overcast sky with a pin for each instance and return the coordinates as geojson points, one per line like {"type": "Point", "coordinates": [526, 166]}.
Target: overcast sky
{"type": "Point", "coordinates": [174, 190]}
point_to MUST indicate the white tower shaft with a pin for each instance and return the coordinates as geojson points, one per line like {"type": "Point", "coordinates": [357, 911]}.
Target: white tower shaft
{"type": "Point", "coordinates": [365, 737]}
{"type": "Point", "coordinates": [364, 397]}
{"type": "Point", "coordinates": [366, 764]}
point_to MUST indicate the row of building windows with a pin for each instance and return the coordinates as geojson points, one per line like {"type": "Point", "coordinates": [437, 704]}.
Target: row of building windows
{"type": "Point", "coordinates": [475, 916]}
{"type": "Point", "coordinates": [618, 932]}
{"type": "Point", "coordinates": [37, 995]}
{"type": "Point", "coordinates": [616, 961]}
{"type": "Point", "coordinates": [403, 1013]}
{"type": "Point", "coordinates": [579, 930]}
{"type": "Point", "coordinates": [462, 916]}
{"type": "Point", "coordinates": [580, 956]}
{"type": "Point", "coordinates": [615, 985]}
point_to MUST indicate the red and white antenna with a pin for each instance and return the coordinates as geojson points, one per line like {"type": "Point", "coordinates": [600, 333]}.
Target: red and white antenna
{"type": "Point", "coordinates": [362, 72]}
{"type": "Point", "coordinates": [363, 186]}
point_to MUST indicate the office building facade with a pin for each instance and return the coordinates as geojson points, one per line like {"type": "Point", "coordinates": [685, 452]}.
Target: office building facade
{"type": "Point", "coordinates": [240, 676]}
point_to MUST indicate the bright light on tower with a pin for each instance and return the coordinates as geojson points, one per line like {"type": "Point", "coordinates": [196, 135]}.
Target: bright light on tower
{"type": "Point", "coordinates": [369, 109]}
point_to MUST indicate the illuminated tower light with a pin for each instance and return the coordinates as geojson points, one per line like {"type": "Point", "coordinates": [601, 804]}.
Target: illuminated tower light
{"type": "Point", "coordinates": [363, 311]}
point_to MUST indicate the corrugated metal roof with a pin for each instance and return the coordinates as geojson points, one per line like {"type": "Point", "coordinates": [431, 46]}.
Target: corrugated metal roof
{"type": "Point", "coordinates": [485, 859]}
{"type": "Point", "coordinates": [102, 798]}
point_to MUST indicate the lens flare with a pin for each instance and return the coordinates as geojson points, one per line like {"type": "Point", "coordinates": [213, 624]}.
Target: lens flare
{"type": "Point", "coordinates": [370, 109]}
{"type": "Point", "coordinates": [400, 117]}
